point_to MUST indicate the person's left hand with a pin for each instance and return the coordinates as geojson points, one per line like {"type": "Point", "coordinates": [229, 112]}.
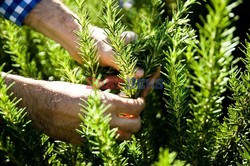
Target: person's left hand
{"type": "Point", "coordinates": [57, 22]}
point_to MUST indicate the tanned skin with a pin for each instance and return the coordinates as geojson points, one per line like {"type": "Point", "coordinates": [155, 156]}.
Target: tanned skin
{"type": "Point", "coordinates": [54, 106]}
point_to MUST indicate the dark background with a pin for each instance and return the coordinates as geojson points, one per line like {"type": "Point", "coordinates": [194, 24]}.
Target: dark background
{"type": "Point", "coordinates": [242, 29]}
{"type": "Point", "coordinates": [242, 24]}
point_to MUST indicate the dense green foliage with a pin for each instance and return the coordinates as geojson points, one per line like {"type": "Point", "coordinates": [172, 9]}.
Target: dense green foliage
{"type": "Point", "coordinates": [187, 123]}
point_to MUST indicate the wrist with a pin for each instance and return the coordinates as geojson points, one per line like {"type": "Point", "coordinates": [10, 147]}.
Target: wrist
{"type": "Point", "coordinates": [35, 98]}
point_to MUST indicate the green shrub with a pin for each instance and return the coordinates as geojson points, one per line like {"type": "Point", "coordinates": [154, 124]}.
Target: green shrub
{"type": "Point", "coordinates": [188, 119]}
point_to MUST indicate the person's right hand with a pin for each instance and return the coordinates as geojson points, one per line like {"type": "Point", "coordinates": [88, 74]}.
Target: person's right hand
{"type": "Point", "coordinates": [54, 106]}
{"type": "Point", "coordinates": [64, 111]}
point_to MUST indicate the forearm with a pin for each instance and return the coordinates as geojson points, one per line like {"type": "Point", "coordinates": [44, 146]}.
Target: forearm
{"type": "Point", "coordinates": [33, 96]}
{"type": "Point", "coordinates": [56, 21]}
{"type": "Point", "coordinates": [24, 88]}
{"type": "Point", "coordinates": [48, 105]}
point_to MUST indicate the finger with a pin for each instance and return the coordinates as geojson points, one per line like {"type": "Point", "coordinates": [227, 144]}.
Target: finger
{"type": "Point", "coordinates": [123, 135]}
{"type": "Point", "coordinates": [106, 56]}
{"type": "Point", "coordinates": [129, 106]}
{"type": "Point", "coordinates": [74, 53]}
{"type": "Point", "coordinates": [131, 125]}
{"type": "Point", "coordinates": [112, 61]}
{"type": "Point", "coordinates": [152, 80]}
{"type": "Point", "coordinates": [106, 53]}
{"type": "Point", "coordinates": [129, 36]}
{"type": "Point", "coordinates": [139, 73]}
{"type": "Point", "coordinates": [123, 95]}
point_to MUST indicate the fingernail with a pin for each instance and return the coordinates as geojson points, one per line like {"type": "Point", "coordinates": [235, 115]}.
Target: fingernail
{"type": "Point", "coordinates": [124, 115]}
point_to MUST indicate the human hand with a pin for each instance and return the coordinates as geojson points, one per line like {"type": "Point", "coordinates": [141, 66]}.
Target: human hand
{"type": "Point", "coordinates": [104, 50]}
{"type": "Point", "coordinates": [57, 22]}
{"type": "Point", "coordinates": [54, 107]}
{"type": "Point", "coordinates": [66, 109]}
{"type": "Point", "coordinates": [125, 112]}
{"type": "Point", "coordinates": [62, 110]}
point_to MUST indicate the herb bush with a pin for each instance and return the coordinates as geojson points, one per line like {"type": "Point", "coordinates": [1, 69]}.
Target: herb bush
{"type": "Point", "coordinates": [187, 123]}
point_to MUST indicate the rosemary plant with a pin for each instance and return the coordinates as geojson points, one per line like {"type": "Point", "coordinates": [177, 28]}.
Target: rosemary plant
{"type": "Point", "coordinates": [179, 34]}
{"type": "Point", "coordinates": [16, 45]}
{"type": "Point", "coordinates": [96, 130]}
{"type": "Point", "coordinates": [100, 139]}
{"type": "Point", "coordinates": [56, 67]}
{"type": "Point", "coordinates": [232, 139]}
{"type": "Point", "coordinates": [20, 144]}
{"type": "Point", "coordinates": [87, 49]}
{"type": "Point", "coordinates": [211, 69]}
{"type": "Point", "coordinates": [123, 53]}
{"type": "Point", "coordinates": [167, 158]}
{"type": "Point", "coordinates": [147, 22]}
{"type": "Point", "coordinates": [185, 119]}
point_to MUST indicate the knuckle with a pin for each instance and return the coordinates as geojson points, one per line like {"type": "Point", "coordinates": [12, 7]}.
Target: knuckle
{"type": "Point", "coordinates": [129, 36]}
{"type": "Point", "coordinates": [135, 106]}
{"type": "Point", "coordinates": [140, 105]}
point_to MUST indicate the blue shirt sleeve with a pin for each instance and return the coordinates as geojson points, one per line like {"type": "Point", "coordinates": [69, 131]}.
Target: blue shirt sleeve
{"type": "Point", "coordinates": [17, 10]}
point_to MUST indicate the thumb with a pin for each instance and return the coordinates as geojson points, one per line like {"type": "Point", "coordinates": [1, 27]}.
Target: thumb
{"type": "Point", "coordinates": [129, 36]}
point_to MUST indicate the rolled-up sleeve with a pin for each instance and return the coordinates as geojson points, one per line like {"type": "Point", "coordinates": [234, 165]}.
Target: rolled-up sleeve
{"type": "Point", "coordinates": [17, 10]}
